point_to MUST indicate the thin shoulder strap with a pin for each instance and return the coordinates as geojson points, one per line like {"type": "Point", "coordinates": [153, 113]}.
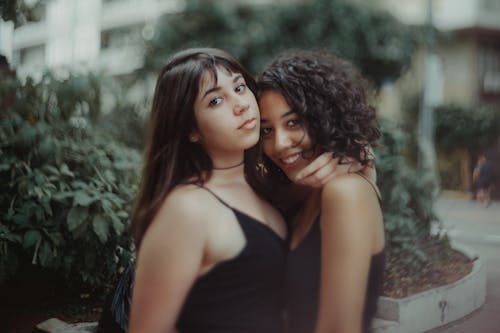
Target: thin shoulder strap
{"type": "Point", "coordinates": [375, 187]}
{"type": "Point", "coordinates": [215, 195]}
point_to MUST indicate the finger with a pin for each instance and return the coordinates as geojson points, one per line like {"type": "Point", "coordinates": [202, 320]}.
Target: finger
{"type": "Point", "coordinates": [346, 167]}
{"type": "Point", "coordinates": [318, 179]}
{"type": "Point", "coordinates": [355, 167]}
{"type": "Point", "coordinates": [317, 164]}
{"type": "Point", "coordinates": [370, 173]}
{"type": "Point", "coordinates": [319, 182]}
{"type": "Point", "coordinates": [322, 175]}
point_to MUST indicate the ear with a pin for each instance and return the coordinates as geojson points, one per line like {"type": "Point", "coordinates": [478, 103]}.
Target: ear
{"type": "Point", "coordinates": [194, 137]}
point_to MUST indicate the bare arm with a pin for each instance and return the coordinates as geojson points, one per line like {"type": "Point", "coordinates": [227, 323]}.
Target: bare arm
{"type": "Point", "coordinates": [169, 261]}
{"type": "Point", "coordinates": [350, 214]}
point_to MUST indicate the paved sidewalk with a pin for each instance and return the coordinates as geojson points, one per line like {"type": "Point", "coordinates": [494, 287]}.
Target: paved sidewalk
{"type": "Point", "coordinates": [476, 227]}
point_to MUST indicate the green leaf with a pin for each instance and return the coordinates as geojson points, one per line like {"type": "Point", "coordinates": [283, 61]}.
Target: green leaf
{"type": "Point", "coordinates": [4, 166]}
{"type": "Point", "coordinates": [76, 217]}
{"type": "Point", "coordinates": [118, 225]}
{"type": "Point", "coordinates": [52, 169]}
{"type": "Point", "coordinates": [110, 177]}
{"type": "Point", "coordinates": [82, 199]}
{"type": "Point", "coordinates": [56, 238]}
{"type": "Point", "coordinates": [45, 254]}
{"type": "Point", "coordinates": [46, 146]}
{"type": "Point", "coordinates": [106, 205]}
{"type": "Point", "coordinates": [61, 196]}
{"type": "Point", "coordinates": [65, 171]}
{"type": "Point", "coordinates": [123, 214]}
{"type": "Point", "coordinates": [40, 178]}
{"type": "Point", "coordinates": [31, 237]}
{"type": "Point", "coordinates": [79, 184]}
{"type": "Point", "coordinates": [27, 133]}
{"type": "Point", "coordinates": [101, 228]}
{"type": "Point", "coordinates": [11, 237]}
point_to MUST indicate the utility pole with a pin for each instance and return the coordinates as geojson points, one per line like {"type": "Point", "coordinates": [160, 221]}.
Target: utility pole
{"type": "Point", "coordinates": [432, 96]}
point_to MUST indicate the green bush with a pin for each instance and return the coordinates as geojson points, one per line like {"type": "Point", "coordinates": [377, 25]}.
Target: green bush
{"type": "Point", "coordinates": [66, 187]}
{"type": "Point", "coordinates": [407, 203]}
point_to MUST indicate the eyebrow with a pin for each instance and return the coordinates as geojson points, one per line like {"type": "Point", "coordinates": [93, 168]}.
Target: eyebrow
{"type": "Point", "coordinates": [235, 79]}
{"type": "Point", "coordinates": [284, 115]}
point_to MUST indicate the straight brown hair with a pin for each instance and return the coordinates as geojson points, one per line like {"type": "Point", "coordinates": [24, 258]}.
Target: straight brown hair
{"type": "Point", "coordinates": [170, 157]}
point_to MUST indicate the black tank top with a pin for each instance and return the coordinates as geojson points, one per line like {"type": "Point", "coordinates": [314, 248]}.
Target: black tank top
{"type": "Point", "coordinates": [243, 294]}
{"type": "Point", "coordinates": [303, 279]}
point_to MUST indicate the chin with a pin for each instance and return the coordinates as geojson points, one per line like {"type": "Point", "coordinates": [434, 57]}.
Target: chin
{"type": "Point", "coordinates": [253, 139]}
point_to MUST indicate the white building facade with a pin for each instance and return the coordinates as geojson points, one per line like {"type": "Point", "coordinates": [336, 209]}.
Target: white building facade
{"type": "Point", "coordinates": [101, 35]}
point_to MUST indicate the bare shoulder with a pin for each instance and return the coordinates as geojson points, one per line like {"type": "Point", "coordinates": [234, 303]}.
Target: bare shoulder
{"type": "Point", "coordinates": [349, 187]}
{"type": "Point", "coordinates": [181, 212]}
{"type": "Point", "coordinates": [350, 207]}
{"type": "Point", "coordinates": [182, 201]}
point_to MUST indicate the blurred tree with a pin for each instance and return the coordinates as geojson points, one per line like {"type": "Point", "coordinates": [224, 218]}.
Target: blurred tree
{"type": "Point", "coordinates": [462, 132]}
{"type": "Point", "coordinates": [474, 128]}
{"type": "Point", "coordinates": [378, 44]}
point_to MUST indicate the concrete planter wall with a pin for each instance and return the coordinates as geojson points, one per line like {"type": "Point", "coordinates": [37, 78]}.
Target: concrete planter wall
{"type": "Point", "coordinates": [436, 307]}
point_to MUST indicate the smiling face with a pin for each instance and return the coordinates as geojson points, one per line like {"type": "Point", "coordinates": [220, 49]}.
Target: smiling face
{"type": "Point", "coordinates": [227, 114]}
{"type": "Point", "coordinates": [284, 138]}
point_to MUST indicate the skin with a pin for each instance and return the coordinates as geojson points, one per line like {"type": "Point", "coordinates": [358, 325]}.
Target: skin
{"type": "Point", "coordinates": [350, 236]}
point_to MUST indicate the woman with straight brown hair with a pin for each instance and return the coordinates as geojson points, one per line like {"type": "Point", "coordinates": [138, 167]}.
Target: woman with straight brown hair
{"type": "Point", "coordinates": [210, 250]}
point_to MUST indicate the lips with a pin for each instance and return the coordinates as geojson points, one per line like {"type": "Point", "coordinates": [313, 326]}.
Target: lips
{"type": "Point", "coordinates": [290, 161]}
{"type": "Point", "coordinates": [248, 124]}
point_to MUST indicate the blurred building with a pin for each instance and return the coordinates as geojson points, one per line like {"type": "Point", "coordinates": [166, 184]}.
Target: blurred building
{"type": "Point", "coordinates": [103, 35]}
{"type": "Point", "coordinates": [467, 69]}
{"type": "Point", "coordinates": [467, 44]}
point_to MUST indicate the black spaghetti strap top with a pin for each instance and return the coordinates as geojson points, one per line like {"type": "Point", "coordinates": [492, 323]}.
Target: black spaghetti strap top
{"type": "Point", "coordinates": [243, 294]}
{"type": "Point", "coordinates": [303, 282]}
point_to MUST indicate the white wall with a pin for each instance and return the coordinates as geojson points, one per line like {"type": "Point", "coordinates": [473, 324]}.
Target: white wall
{"type": "Point", "coordinates": [70, 35]}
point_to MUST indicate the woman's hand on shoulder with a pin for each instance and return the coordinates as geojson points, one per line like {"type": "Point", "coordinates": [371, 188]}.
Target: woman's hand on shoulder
{"type": "Point", "coordinates": [321, 170]}
{"type": "Point", "coordinates": [326, 167]}
{"type": "Point", "coordinates": [169, 261]}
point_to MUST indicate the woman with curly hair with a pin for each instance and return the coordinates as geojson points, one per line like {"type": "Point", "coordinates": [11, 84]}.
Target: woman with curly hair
{"type": "Point", "coordinates": [311, 103]}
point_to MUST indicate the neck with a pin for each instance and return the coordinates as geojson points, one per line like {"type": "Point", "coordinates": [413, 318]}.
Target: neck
{"type": "Point", "coordinates": [228, 170]}
{"type": "Point", "coordinates": [229, 167]}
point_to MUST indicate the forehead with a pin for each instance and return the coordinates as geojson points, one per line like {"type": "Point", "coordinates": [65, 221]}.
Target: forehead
{"type": "Point", "coordinates": [273, 105]}
{"type": "Point", "coordinates": [210, 77]}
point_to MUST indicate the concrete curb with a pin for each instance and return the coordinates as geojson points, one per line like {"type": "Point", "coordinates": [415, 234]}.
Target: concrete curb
{"type": "Point", "coordinates": [55, 325]}
{"type": "Point", "coordinates": [436, 307]}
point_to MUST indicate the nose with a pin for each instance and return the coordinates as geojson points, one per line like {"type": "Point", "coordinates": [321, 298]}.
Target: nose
{"type": "Point", "coordinates": [282, 140]}
{"type": "Point", "coordinates": [240, 105]}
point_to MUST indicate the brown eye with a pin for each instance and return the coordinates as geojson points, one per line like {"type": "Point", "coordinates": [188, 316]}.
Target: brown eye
{"type": "Point", "coordinates": [215, 101]}
{"type": "Point", "coordinates": [265, 131]}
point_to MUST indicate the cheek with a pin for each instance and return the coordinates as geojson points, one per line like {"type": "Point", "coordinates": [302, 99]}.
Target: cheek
{"type": "Point", "coordinates": [307, 141]}
{"type": "Point", "coordinates": [303, 138]}
{"type": "Point", "coordinates": [209, 127]}
{"type": "Point", "coordinates": [267, 147]}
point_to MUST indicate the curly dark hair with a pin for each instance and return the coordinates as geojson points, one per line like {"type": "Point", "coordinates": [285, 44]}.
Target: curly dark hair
{"type": "Point", "coordinates": [329, 96]}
